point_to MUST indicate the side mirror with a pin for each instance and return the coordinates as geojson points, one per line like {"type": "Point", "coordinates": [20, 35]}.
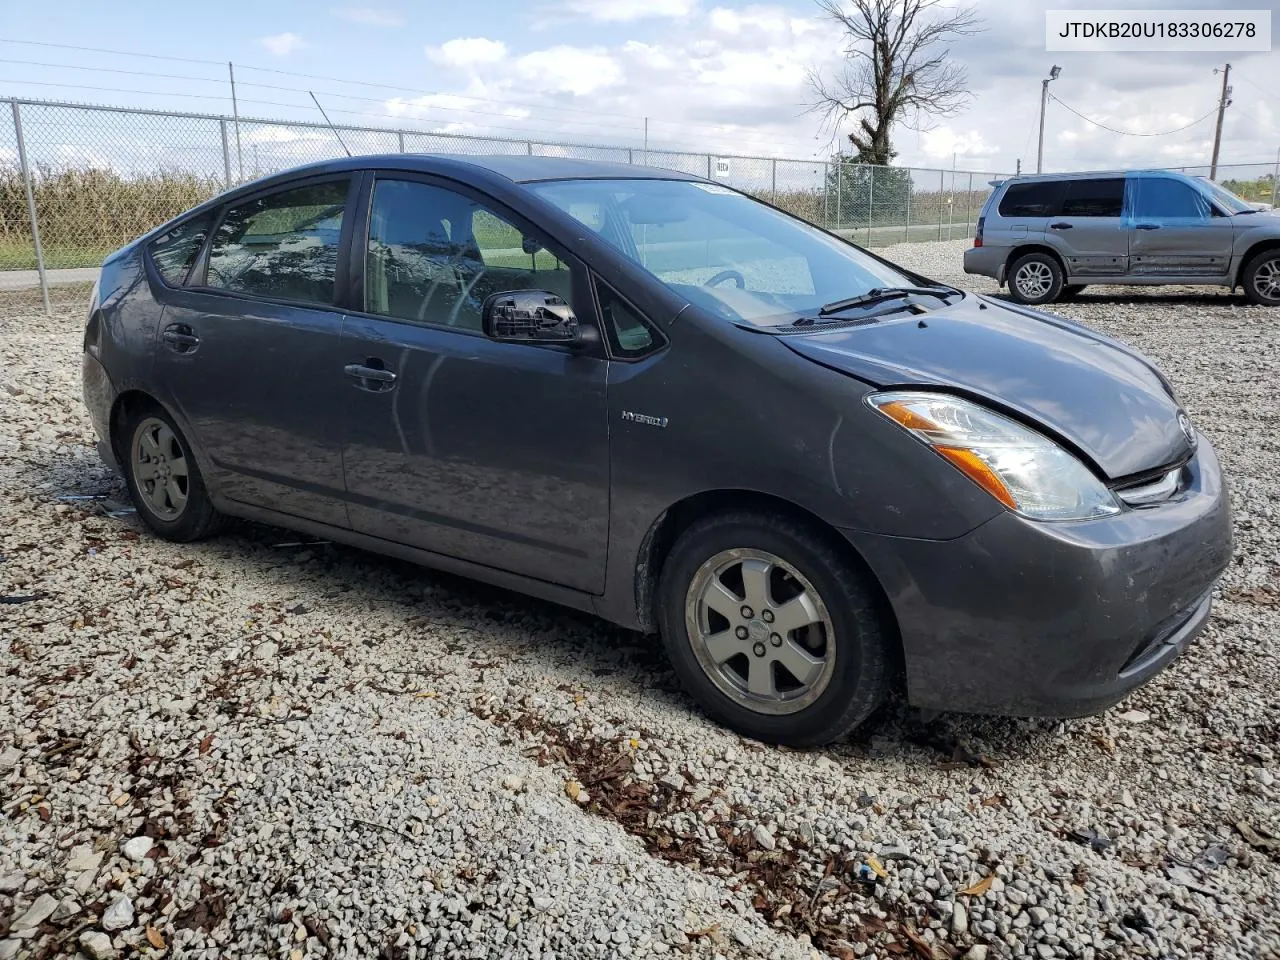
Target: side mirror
{"type": "Point", "coordinates": [529, 316]}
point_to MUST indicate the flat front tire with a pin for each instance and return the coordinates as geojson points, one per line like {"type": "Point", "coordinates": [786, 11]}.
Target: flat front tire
{"type": "Point", "coordinates": [163, 477]}
{"type": "Point", "coordinates": [1035, 278]}
{"type": "Point", "coordinates": [772, 630]}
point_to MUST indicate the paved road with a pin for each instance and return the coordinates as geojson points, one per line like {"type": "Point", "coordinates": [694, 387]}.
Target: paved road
{"type": "Point", "coordinates": [21, 279]}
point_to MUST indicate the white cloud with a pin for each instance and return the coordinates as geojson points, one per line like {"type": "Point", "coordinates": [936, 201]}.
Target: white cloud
{"type": "Point", "coordinates": [283, 44]}
{"type": "Point", "coordinates": [572, 70]}
{"type": "Point", "coordinates": [371, 16]}
{"type": "Point", "coordinates": [468, 51]}
{"type": "Point", "coordinates": [625, 11]}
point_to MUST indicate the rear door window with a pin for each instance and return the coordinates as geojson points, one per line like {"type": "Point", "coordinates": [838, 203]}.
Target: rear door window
{"type": "Point", "coordinates": [281, 246]}
{"type": "Point", "coordinates": [1103, 197]}
{"type": "Point", "coordinates": [1036, 199]}
{"type": "Point", "coordinates": [174, 252]}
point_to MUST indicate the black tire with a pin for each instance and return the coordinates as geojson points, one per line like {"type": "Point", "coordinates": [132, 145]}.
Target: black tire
{"type": "Point", "coordinates": [859, 678]}
{"type": "Point", "coordinates": [197, 517]}
{"type": "Point", "coordinates": [1260, 275]}
{"type": "Point", "coordinates": [1071, 291]}
{"type": "Point", "coordinates": [1044, 266]}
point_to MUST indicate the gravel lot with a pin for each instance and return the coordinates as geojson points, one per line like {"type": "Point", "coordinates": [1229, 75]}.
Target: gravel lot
{"type": "Point", "coordinates": [246, 747]}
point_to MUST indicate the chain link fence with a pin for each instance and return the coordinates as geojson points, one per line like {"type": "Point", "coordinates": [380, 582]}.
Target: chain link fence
{"type": "Point", "coordinates": [95, 177]}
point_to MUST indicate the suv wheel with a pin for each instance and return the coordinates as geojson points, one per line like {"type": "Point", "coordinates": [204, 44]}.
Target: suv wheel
{"type": "Point", "coordinates": [1262, 279]}
{"type": "Point", "coordinates": [771, 630]}
{"type": "Point", "coordinates": [163, 478]}
{"type": "Point", "coordinates": [1035, 278]}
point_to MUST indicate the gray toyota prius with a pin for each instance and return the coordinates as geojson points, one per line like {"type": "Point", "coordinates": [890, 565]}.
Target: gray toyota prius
{"type": "Point", "coordinates": [819, 476]}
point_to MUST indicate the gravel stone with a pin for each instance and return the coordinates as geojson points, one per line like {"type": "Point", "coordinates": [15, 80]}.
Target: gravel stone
{"type": "Point", "coordinates": [137, 848]}
{"type": "Point", "coordinates": [37, 913]}
{"type": "Point", "coordinates": [118, 915]}
{"type": "Point", "coordinates": [319, 739]}
{"type": "Point", "coordinates": [97, 945]}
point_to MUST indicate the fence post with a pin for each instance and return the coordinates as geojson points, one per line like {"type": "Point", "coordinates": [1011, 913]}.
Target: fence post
{"type": "Point", "coordinates": [773, 188]}
{"type": "Point", "coordinates": [942, 188]}
{"type": "Point", "coordinates": [226, 154]}
{"type": "Point", "coordinates": [31, 205]}
{"type": "Point", "coordinates": [630, 156]}
{"type": "Point", "coordinates": [906, 234]}
{"type": "Point", "coordinates": [871, 193]}
{"type": "Point", "coordinates": [708, 166]}
{"type": "Point", "coordinates": [826, 194]}
{"type": "Point", "coordinates": [839, 193]}
{"type": "Point", "coordinates": [968, 198]}
{"type": "Point", "coordinates": [528, 145]}
{"type": "Point", "coordinates": [400, 140]}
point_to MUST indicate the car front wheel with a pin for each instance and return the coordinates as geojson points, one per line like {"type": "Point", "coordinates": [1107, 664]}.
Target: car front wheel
{"type": "Point", "coordinates": [1262, 279]}
{"type": "Point", "coordinates": [164, 479]}
{"type": "Point", "coordinates": [772, 630]}
{"type": "Point", "coordinates": [1035, 278]}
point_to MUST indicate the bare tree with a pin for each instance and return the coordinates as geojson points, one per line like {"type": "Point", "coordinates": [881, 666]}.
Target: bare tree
{"type": "Point", "coordinates": [896, 69]}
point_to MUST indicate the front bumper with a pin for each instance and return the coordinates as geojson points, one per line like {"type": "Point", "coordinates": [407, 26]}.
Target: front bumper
{"type": "Point", "coordinates": [1025, 618]}
{"type": "Point", "coordinates": [99, 397]}
{"type": "Point", "coordinates": [984, 261]}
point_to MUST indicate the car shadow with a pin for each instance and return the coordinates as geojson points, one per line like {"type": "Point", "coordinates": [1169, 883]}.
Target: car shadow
{"type": "Point", "coordinates": [303, 565]}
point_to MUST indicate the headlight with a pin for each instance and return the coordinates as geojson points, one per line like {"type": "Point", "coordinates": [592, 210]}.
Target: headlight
{"type": "Point", "coordinates": [1021, 468]}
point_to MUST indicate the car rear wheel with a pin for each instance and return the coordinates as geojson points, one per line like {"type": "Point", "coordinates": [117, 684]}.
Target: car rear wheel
{"type": "Point", "coordinates": [164, 479]}
{"type": "Point", "coordinates": [1262, 279]}
{"type": "Point", "coordinates": [772, 631]}
{"type": "Point", "coordinates": [1035, 278]}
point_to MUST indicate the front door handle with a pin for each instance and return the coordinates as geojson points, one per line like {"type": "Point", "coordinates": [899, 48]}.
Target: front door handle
{"type": "Point", "coordinates": [180, 338]}
{"type": "Point", "coordinates": [370, 375]}
{"type": "Point", "coordinates": [1060, 226]}
{"type": "Point", "coordinates": [1148, 226]}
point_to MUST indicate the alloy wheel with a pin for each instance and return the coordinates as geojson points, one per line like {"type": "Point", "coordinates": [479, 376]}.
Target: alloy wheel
{"type": "Point", "coordinates": [160, 469]}
{"type": "Point", "coordinates": [1034, 280]}
{"type": "Point", "coordinates": [760, 631]}
{"type": "Point", "coordinates": [1266, 279]}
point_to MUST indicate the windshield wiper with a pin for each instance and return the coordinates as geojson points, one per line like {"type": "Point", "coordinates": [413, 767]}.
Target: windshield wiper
{"type": "Point", "coordinates": [876, 295]}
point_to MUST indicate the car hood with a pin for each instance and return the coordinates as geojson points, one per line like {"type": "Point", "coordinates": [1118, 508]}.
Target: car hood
{"type": "Point", "coordinates": [1097, 395]}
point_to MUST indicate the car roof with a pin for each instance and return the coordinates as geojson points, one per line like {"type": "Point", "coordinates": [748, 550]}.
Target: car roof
{"type": "Point", "coordinates": [1091, 175]}
{"type": "Point", "coordinates": [518, 168]}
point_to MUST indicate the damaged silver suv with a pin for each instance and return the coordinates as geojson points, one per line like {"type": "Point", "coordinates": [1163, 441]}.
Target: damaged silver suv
{"type": "Point", "coordinates": [1049, 236]}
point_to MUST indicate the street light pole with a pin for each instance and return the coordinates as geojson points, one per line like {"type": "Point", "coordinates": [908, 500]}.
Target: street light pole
{"type": "Point", "coordinates": [1044, 100]}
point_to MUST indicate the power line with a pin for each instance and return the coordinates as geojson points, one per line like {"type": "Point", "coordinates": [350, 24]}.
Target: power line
{"type": "Point", "coordinates": [1130, 133]}
{"type": "Point", "coordinates": [715, 130]}
{"type": "Point", "coordinates": [121, 53]}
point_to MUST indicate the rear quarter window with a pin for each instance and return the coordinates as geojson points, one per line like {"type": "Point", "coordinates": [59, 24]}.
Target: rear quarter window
{"type": "Point", "coordinates": [1041, 199]}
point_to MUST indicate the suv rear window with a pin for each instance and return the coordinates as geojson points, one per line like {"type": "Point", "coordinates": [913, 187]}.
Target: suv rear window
{"type": "Point", "coordinates": [1035, 199]}
{"type": "Point", "coordinates": [1094, 198]}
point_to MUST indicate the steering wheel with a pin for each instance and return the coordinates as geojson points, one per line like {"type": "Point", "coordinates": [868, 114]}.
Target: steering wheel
{"type": "Point", "coordinates": [738, 279]}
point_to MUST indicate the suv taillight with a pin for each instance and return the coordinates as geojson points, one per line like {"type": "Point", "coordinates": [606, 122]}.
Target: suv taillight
{"type": "Point", "coordinates": [977, 236]}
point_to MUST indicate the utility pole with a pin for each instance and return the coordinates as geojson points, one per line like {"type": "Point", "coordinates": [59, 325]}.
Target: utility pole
{"type": "Point", "coordinates": [1222, 109]}
{"type": "Point", "coordinates": [235, 113]}
{"type": "Point", "coordinates": [1044, 100]}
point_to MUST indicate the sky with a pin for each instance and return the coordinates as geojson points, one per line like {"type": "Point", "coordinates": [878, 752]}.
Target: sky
{"type": "Point", "coordinates": [709, 75]}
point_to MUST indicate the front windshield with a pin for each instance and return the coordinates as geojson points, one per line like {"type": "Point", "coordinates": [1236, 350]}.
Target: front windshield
{"type": "Point", "coordinates": [1226, 199]}
{"type": "Point", "coordinates": [722, 250]}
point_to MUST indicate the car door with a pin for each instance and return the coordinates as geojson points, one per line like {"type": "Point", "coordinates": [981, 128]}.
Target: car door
{"type": "Point", "coordinates": [1089, 231]}
{"type": "Point", "coordinates": [496, 453]}
{"type": "Point", "coordinates": [250, 349]}
{"type": "Point", "coordinates": [1174, 229]}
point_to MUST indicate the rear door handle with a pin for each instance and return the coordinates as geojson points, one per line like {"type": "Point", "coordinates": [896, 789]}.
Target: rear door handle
{"type": "Point", "coordinates": [1060, 226]}
{"type": "Point", "coordinates": [1148, 226]}
{"type": "Point", "coordinates": [180, 338]}
{"type": "Point", "coordinates": [370, 377]}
